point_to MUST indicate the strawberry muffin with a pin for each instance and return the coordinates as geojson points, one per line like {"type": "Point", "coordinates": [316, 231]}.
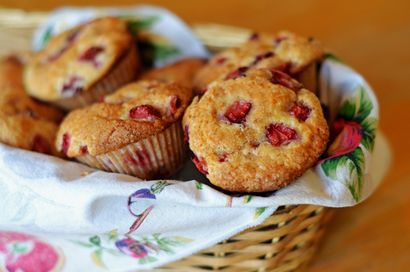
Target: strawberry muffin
{"type": "Point", "coordinates": [287, 52]}
{"type": "Point", "coordinates": [181, 72]}
{"type": "Point", "coordinates": [81, 65]}
{"type": "Point", "coordinates": [255, 132]}
{"type": "Point", "coordinates": [136, 130]}
{"type": "Point", "coordinates": [24, 123]}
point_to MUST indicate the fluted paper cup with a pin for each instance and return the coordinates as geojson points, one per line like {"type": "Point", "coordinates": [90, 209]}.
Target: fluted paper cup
{"type": "Point", "coordinates": [159, 155]}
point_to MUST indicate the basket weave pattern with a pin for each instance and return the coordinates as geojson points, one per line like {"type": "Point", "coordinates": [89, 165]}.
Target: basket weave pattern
{"type": "Point", "coordinates": [286, 241]}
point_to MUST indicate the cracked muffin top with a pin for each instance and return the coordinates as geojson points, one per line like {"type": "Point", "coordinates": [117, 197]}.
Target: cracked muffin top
{"type": "Point", "coordinates": [24, 122]}
{"type": "Point", "coordinates": [284, 51]}
{"type": "Point", "coordinates": [255, 132]}
{"type": "Point", "coordinates": [78, 58]}
{"type": "Point", "coordinates": [134, 112]}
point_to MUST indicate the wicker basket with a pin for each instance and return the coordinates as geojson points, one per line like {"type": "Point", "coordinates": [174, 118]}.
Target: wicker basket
{"type": "Point", "coordinates": [286, 241]}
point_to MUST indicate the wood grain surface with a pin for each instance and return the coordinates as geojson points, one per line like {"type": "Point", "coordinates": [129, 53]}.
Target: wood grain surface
{"type": "Point", "coordinates": [373, 37]}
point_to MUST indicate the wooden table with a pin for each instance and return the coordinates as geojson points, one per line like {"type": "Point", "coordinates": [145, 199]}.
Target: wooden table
{"type": "Point", "coordinates": [372, 36]}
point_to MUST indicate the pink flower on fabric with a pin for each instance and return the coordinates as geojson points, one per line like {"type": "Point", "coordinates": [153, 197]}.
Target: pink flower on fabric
{"type": "Point", "coordinates": [348, 135]}
{"type": "Point", "coordinates": [23, 252]}
{"type": "Point", "coordinates": [132, 248]}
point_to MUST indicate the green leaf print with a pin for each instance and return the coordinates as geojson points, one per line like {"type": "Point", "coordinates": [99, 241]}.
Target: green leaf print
{"type": "Point", "coordinates": [258, 212]}
{"type": "Point", "coordinates": [330, 166]}
{"type": "Point", "coordinates": [332, 57]}
{"type": "Point", "coordinates": [369, 133]}
{"type": "Point", "coordinates": [348, 110]}
{"type": "Point", "coordinates": [353, 162]}
{"type": "Point", "coordinates": [247, 199]}
{"type": "Point", "coordinates": [95, 240]}
{"type": "Point", "coordinates": [97, 248]}
{"type": "Point", "coordinates": [365, 106]}
{"type": "Point", "coordinates": [163, 51]}
{"type": "Point", "coordinates": [97, 258]}
{"type": "Point", "coordinates": [47, 35]}
{"type": "Point", "coordinates": [199, 185]}
{"type": "Point", "coordinates": [358, 108]}
{"type": "Point", "coordinates": [136, 24]}
{"type": "Point", "coordinates": [112, 235]}
{"type": "Point", "coordinates": [20, 247]}
{"type": "Point", "coordinates": [182, 240]}
{"type": "Point", "coordinates": [356, 131]}
{"type": "Point", "coordinates": [355, 182]}
{"type": "Point", "coordinates": [159, 186]}
{"type": "Point", "coordinates": [152, 51]}
{"type": "Point", "coordinates": [81, 243]}
{"type": "Point", "coordinates": [147, 259]}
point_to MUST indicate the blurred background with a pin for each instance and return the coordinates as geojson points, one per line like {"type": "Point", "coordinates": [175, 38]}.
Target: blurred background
{"type": "Point", "coordinates": [374, 38]}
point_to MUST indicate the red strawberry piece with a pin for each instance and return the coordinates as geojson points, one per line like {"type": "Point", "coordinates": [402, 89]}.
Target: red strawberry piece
{"type": "Point", "coordinates": [72, 36]}
{"type": "Point", "coordinates": [268, 54]}
{"type": "Point", "coordinates": [91, 54]}
{"type": "Point", "coordinates": [222, 157]}
{"type": "Point", "coordinates": [186, 134]}
{"type": "Point", "coordinates": [284, 67]}
{"type": "Point", "coordinates": [254, 36]}
{"type": "Point", "coordinates": [236, 113]}
{"type": "Point", "coordinates": [285, 80]}
{"type": "Point", "coordinates": [83, 149]}
{"type": "Point", "coordinates": [40, 144]}
{"type": "Point", "coordinates": [56, 54]}
{"type": "Point", "coordinates": [203, 90]}
{"type": "Point", "coordinates": [254, 144]}
{"type": "Point", "coordinates": [262, 56]}
{"type": "Point", "coordinates": [200, 165]}
{"type": "Point", "coordinates": [29, 112]}
{"type": "Point", "coordinates": [73, 85]}
{"type": "Point", "coordinates": [69, 40]}
{"type": "Point", "coordinates": [174, 104]}
{"type": "Point", "coordinates": [146, 112]}
{"type": "Point", "coordinates": [237, 73]}
{"type": "Point", "coordinates": [280, 39]}
{"type": "Point", "coordinates": [220, 60]}
{"type": "Point", "coordinates": [279, 134]}
{"type": "Point", "coordinates": [65, 143]}
{"type": "Point", "coordinates": [300, 111]}
{"type": "Point", "coordinates": [101, 99]}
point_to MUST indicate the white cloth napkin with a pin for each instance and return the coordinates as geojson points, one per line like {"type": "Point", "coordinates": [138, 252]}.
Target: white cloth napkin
{"type": "Point", "coordinates": [57, 213]}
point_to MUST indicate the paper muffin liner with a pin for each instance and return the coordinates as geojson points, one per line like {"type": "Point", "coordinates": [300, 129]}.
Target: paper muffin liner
{"type": "Point", "coordinates": [123, 72]}
{"type": "Point", "coordinates": [156, 156]}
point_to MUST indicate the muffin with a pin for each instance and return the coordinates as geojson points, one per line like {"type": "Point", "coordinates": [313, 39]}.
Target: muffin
{"type": "Point", "coordinates": [136, 130]}
{"type": "Point", "coordinates": [24, 123]}
{"type": "Point", "coordinates": [255, 133]}
{"type": "Point", "coordinates": [285, 51]}
{"type": "Point", "coordinates": [83, 64]}
{"type": "Point", "coordinates": [182, 72]}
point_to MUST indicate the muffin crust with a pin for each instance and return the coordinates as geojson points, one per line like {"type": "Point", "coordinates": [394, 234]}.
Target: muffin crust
{"type": "Point", "coordinates": [256, 132]}
{"type": "Point", "coordinates": [132, 113]}
{"type": "Point", "coordinates": [76, 59]}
